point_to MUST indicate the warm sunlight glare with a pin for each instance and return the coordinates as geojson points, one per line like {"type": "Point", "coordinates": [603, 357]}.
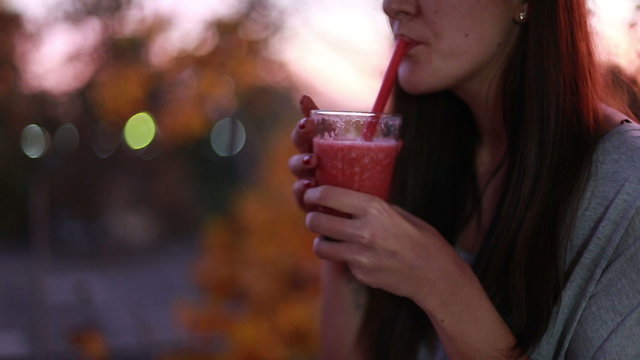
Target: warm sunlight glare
{"type": "Point", "coordinates": [337, 50]}
{"type": "Point", "coordinates": [617, 40]}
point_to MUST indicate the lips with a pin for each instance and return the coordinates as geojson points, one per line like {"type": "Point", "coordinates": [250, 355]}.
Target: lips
{"type": "Point", "coordinates": [412, 42]}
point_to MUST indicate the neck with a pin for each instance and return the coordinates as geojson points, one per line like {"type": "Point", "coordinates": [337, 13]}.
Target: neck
{"type": "Point", "coordinates": [487, 113]}
{"type": "Point", "coordinates": [484, 102]}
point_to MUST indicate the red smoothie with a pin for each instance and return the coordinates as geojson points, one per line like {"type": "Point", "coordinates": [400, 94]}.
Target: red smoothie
{"type": "Point", "coordinates": [364, 166]}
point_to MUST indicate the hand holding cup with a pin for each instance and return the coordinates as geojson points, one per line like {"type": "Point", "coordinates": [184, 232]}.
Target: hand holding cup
{"type": "Point", "coordinates": [303, 165]}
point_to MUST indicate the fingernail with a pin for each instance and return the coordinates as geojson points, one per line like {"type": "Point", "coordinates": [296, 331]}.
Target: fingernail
{"type": "Point", "coordinates": [302, 124]}
{"type": "Point", "coordinates": [307, 105]}
{"type": "Point", "coordinates": [307, 184]}
{"type": "Point", "coordinates": [307, 160]}
{"type": "Point", "coordinates": [304, 99]}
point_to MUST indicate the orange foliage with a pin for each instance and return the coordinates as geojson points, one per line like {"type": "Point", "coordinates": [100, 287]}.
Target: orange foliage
{"type": "Point", "coordinates": [120, 90]}
{"type": "Point", "coordinates": [258, 274]}
{"type": "Point", "coordinates": [183, 120]}
{"type": "Point", "coordinates": [89, 344]}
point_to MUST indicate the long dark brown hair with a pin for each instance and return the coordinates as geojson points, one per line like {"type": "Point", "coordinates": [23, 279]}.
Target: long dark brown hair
{"type": "Point", "coordinates": [551, 93]}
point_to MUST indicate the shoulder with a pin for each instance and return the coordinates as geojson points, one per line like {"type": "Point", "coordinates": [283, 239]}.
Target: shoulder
{"type": "Point", "coordinates": [611, 196]}
{"type": "Point", "coordinates": [599, 308]}
{"type": "Point", "coordinates": [617, 154]}
{"type": "Point", "coordinates": [614, 172]}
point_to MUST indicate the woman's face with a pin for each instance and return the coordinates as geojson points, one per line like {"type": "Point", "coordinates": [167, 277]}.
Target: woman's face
{"type": "Point", "coordinates": [458, 44]}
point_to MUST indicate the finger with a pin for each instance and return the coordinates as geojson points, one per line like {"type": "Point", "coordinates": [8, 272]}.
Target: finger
{"type": "Point", "coordinates": [337, 251]}
{"type": "Point", "coordinates": [303, 165]}
{"type": "Point", "coordinates": [302, 135]}
{"type": "Point", "coordinates": [335, 227]}
{"type": "Point", "coordinates": [344, 200]}
{"type": "Point", "coordinates": [306, 105]}
{"type": "Point", "coordinates": [299, 188]}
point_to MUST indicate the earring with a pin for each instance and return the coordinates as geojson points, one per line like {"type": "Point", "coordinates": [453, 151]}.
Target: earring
{"type": "Point", "coordinates": [522, 16]}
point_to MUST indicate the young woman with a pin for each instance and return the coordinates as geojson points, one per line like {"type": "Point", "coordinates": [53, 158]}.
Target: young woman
{"type": "Point", "coordinates": [514, 226]}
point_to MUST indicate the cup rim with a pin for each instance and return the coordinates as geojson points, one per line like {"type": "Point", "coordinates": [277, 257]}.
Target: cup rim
{"type": "Point", "coordinates": [353, 113]}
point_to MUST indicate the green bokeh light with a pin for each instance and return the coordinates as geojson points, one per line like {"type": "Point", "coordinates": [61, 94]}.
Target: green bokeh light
{"type": "Point", "coordinates": [139, 131]}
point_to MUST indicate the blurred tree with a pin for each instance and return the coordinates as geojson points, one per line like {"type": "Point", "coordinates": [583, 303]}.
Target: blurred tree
{"type": "Point", "coordinates": [14, 166]}
{"type": "Point", "coordinates": [231, 77]}
{"type": "Point", "coordinates": [258, 275]}
{"type": "Point", "coordinates": [77, 10]}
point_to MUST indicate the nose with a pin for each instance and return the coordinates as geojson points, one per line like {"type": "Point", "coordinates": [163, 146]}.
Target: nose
{"type": "Point", "coordinates": [400, 9]}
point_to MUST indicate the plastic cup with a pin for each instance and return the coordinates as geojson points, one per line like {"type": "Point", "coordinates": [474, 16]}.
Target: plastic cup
{"type": "Point", "coordinates": [346, 159]}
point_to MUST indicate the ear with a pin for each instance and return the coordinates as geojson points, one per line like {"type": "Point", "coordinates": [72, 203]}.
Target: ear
{"type": "Point", "coordinates": [521, 11]}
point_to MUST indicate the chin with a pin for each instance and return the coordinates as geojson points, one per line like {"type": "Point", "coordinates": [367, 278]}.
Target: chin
{"type": "Point", "coordinates": [415, 83]}
{"type": "Point", "coordinates": [413, 86]}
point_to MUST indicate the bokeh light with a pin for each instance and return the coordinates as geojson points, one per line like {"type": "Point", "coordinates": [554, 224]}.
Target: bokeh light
{"type": "Point", "coordinates": [105, 141]}
{"type": "Point", "coordinates": [228, 137]}
{"type": "Point", "coordinates": [139, 131]}
{"type": "Point", "coordinates": [35, 141]}
{"type": "Point", "coordinates": [66, 139]}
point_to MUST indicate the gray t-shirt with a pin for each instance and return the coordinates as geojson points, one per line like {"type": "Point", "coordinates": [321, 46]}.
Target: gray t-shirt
{"type": "Point", "coordinates": [598, 314]}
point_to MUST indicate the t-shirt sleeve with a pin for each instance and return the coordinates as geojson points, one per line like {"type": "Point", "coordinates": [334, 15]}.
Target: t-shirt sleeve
{"type": "Point", "coordinates": [609, 327]}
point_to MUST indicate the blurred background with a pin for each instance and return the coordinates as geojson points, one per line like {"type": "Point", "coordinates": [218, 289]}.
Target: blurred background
{"type": "Point", "coordinates": [145, 199]}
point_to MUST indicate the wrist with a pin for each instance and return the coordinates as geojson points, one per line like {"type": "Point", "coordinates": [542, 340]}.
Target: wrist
{"type": "Point", "coordinates": [455, 281]}
{"type": "Point", "coordinates": [465, 319]}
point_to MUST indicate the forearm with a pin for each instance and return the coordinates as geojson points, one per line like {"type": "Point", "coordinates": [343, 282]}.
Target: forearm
{"type": "Point", "coordinates": [342, 306]}
{"type": "Point", "coordinates": [467, 323]}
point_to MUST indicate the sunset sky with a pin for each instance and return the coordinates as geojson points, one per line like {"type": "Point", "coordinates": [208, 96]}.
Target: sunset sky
{"type": "Point", "coordinates": [336, 49]}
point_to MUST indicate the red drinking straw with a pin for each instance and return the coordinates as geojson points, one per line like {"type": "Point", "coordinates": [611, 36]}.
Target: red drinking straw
{"type": "Point", "coordinates": [388, 81]}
